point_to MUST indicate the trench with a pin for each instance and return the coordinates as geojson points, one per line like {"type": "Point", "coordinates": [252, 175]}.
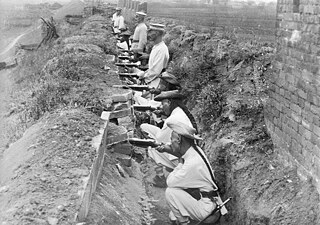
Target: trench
{"type": "Point", "coordinates": [125, 185]}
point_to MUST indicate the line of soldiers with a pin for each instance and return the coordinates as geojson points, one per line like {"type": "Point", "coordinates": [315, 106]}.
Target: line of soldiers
{"type": "Point", "coordinates": [191, 189]}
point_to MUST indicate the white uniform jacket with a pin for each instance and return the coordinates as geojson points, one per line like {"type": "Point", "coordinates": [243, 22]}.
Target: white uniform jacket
{"type": "Point", "coordinates": [193, 173]}
{"type": "Point", "coordinates": [118, 22]}
{"type": "Point", "coordinates": [158, 60]}
{"type": "Point", "coordinates": [140, 35]}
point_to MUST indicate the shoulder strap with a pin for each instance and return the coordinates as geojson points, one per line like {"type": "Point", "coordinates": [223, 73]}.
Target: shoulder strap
{"type": "Point", "coordinates": [208, 166]}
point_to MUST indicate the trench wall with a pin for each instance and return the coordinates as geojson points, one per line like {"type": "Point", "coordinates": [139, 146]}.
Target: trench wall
{"type": "Point", "coordinates": [292, 114]}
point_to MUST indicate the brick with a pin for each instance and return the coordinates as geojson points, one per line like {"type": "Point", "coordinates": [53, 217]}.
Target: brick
{"type": "Point", "coordinates": [306, 124]}
{"type": "Point", "coordinates": [120, 113]}
{"type": "Point", "coordinates": [316, 130]}
{"type": "Point", "coordinates": [294, 98]}
{"type": "Point", "coordinates": [119, 106]}
{"type": "Point", "coordinates": [110, 58]}
{"type": "Point", "coordinates": [316, 166]}
{"type": "Point", "coordinates": [122, 98]}
{"type": "Point", "coordinates": [316, 150]}
{"type": "Point", "coordinates": [122, 148]}
{"type": "Point", "coordinates": [302, 94]}
{"type": "Point", "coordinates": [105, 115]}
{"type": "Point", "coordinates": [316, 121]}
{"type": "Point", "coordinates": [315, 110]}
{"type": "Point", "coordinates": [296, 108]}
{"type": "Point", "coordinates": [296, 117]}
{"type": "Point", "coordinates": [117, 138]}
{"type": "Point", "coordinates": [301, 102]}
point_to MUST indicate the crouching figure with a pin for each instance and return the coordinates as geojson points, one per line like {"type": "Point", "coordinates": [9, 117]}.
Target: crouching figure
{"type": "Point", "coordinates": [191, 190]}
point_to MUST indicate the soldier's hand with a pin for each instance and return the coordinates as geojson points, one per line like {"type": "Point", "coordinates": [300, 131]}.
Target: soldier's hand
{"type": "Point", "coordinates": [163, 148]}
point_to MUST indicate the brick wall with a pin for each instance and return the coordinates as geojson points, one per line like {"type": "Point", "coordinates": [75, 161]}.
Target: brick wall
{"type": "Point", "coordinates": [293, 111]}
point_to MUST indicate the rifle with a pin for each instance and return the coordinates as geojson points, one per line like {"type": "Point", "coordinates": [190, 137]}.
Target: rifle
{"type": "Point", "coordinates": [128, 75]}
{"type": "Point", "coordinates": [128, 64]}
{"type": "Point", "coordinates": [143, 143]}
{"type": "Point", "coordinates": [134, 87]}
{"type": "Point", "coordinates": [217, 209]}
{"type": "Point", "coordinates": [124, 57]}
{"type": "Point", "coordinates": [144, 108]}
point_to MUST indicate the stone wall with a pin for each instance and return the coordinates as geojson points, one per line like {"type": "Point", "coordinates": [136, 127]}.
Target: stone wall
{"type": "Point", "coordinates": [293, 111]}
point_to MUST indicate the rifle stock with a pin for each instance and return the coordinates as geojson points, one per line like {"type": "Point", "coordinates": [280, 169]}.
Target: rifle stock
{"type": "Point", "coordinates": [143, 108]}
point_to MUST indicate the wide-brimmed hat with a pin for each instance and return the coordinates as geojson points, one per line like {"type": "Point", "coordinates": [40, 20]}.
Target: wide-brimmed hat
{"type": "Point", "coordinates": [118, 9]}
{"type": "Point", "coordinates": [140, 13]}
{"type": "Point", "coordinates": [184, 130]}
{"type": "Point", "coordinates": [175, 94]}
{"type": "Point", "coordinates": [125, 33]}
{"type": "Point", "coordinates": [157, 26]}
{"type": "Point", "coordinates": [170, 78]}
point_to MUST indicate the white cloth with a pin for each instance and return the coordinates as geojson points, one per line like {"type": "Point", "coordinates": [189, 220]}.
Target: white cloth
{"type": "Point", "coordinates": [118, 22]}
{"type": "Point", "coordinates": [164, 136]}
{"type": "Point", "coordinates": [158, 60]}
{"type": "Point", "coordinates": [143, 101]}
{"type": "Point", "coordinates": [140, 34]}
{"type": "Point", "coordinates": [193, 173]}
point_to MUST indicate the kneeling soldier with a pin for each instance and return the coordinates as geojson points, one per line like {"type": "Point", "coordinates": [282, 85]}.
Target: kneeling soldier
{"type": "Point", "coordinates": [191, 188]}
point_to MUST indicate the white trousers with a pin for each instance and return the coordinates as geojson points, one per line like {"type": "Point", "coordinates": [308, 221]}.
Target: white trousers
{"type": "Point", "coordinates": [183, 206]}
{"type": "Point", "coordinates": [162, 158]}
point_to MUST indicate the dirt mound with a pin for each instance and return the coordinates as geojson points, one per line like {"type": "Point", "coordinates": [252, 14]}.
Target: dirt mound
{"type": "Point", "coordinates": [46, 186]}
{"type": "Point", "coordinates": [75, 7]}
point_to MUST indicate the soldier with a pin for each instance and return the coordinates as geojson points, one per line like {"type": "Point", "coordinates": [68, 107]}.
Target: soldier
{"type": "Point", "coordinates": [118, 21]}
{"type": "Point", "coordinates": [173, 107]}
{"type": "Point", "coordinates": [192, 191]}
{"type": "Point", "coordinates": [159, 56]}
{"type": "Point", "coordinates": [140, 33]}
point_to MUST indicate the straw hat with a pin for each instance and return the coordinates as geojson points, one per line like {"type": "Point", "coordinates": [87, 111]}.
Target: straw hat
{"type": "Point", "coordinates": [169, 95]}
{"type": "Point", "coordinates": [170, 78]}
{"type": "Point", "coordinates": [184, 130]}
{"type": "Point", "coordinates": [118, 9]}
{"type": "Point", "coordinates": [157, 26]}
{"type": "Point", "coordinates": [141, 13]}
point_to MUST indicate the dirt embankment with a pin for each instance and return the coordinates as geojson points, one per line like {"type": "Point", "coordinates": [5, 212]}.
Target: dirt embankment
{"type": "Point", "coordinates": [60, 92]}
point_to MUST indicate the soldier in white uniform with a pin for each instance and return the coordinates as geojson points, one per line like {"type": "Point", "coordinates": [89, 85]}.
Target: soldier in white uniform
{"type": "Point", "coordinates": [191, 187]}
{"type": "Point", "coordinates": [118, 21]}
{"type": "Point", "coordinates": [173, 107]}
{"type": "Point", "coordinates": [140, 33]}
{"type": "Point", "coordinates": [159, 56]}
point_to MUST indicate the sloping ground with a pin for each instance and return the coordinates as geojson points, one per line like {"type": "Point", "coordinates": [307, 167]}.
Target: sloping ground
{"type": "Point", "coordinates": [74, 7]}
{"type": "Point", "coordinates": [60, 89]}
{"type": "Point", "coordinates": [46, 185]}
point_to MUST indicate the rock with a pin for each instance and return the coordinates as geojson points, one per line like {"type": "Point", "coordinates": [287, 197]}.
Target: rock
{"type": "Point", "coordinates": [121, 170]}
{"type": "Point", "coordinates": [4, 189]}
{"type": "Point", "coordinates": [53, 220]}
{"type": "Point", "coordinates": [87, 138]}
{"type": "Point", "coordinates": [76, 134]}
{"type": "Point", "coordinates": [61, 207]}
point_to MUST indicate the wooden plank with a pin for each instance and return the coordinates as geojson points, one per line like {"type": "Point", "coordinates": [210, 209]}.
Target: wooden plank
{"type": "Point", "coordinates": [94, 177]}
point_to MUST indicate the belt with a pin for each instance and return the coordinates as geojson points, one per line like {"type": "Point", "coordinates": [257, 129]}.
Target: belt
{"type": "Point", "coordinates": [133, 41]}
{"type": "Point", "coordinates": [197, 194]}
{"type": "Point", "coordinates": [209, 194]}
